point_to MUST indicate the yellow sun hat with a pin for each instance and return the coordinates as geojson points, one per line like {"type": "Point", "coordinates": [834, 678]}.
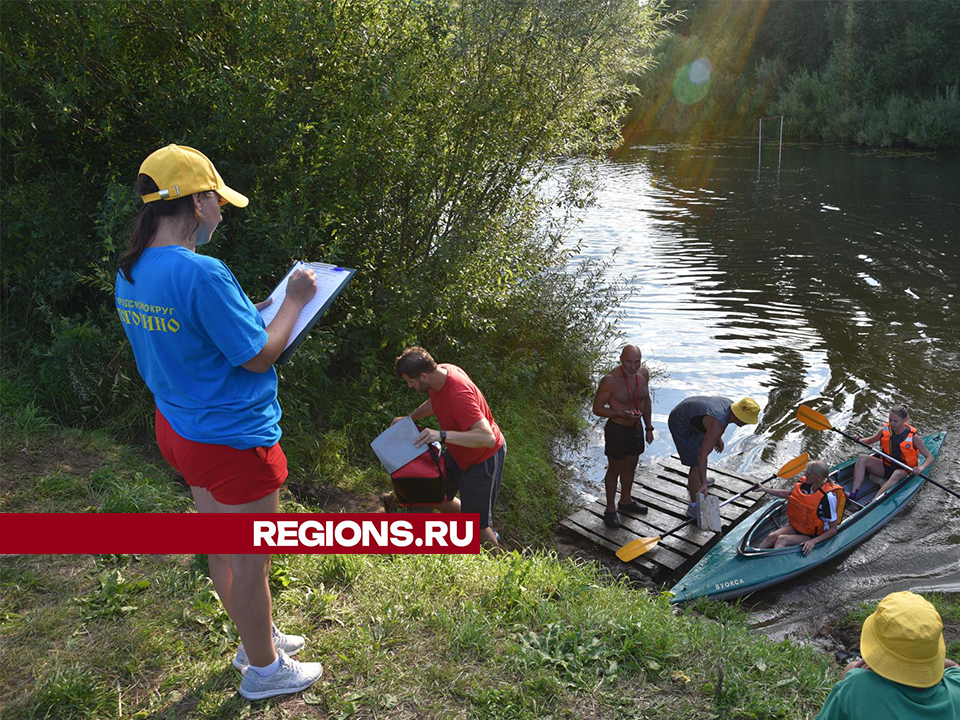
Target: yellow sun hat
{"type": "Point", "coordinates": [903, 640]}
{"type": "Point", "coordinates": [747, 411]}
{"type": "Point", "coordinates": [179, 171]}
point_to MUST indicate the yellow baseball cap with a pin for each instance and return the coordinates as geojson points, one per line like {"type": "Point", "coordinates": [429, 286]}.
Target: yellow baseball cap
{"type": "Point", "coordinates": [179, 171]}
{"type": "Point", "coordinates": [903, 640]}
{"type": "Point", "coordinates": [747, 411]}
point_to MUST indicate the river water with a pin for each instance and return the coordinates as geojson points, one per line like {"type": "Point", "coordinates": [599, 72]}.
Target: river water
{"type": "Point", "coordinates": [834, 282]}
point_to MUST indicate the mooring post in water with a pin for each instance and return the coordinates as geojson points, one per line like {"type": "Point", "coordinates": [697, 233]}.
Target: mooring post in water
{"type": "Point", "coordinates": [780, 153]}
{"type": "Point", "coordinates": [760, 141]}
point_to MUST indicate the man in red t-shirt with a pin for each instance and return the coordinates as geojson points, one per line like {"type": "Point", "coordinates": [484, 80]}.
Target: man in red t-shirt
{"type": "Point", "coordinates": [474, 446]}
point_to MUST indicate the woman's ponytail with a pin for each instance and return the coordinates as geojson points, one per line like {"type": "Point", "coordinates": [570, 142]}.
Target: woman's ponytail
{"type": "Point", "coordinates": [145, 226]}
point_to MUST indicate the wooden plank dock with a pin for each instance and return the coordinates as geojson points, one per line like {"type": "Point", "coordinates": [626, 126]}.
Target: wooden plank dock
{"type": "Point", "coordinates": [663, 489]}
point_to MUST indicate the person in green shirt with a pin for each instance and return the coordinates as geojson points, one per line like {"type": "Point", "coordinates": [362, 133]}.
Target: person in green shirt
{"type": "Point", "coordinates": [904, 673]}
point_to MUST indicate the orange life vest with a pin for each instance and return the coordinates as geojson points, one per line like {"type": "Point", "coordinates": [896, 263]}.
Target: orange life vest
{"type": "Point", "coordinates": [908, 448]}
{"type": "Point", "coordinates": [802, 508]}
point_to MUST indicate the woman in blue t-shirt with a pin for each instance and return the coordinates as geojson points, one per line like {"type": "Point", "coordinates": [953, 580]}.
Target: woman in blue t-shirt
{"type": "Point", "coordinates": [207, 356]}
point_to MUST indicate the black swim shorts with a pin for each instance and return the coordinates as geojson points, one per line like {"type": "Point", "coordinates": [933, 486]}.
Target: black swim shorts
{"type": "Point", "coordinates": [620, 441]}
{"type": "Point", "coordinates": [889, 469]}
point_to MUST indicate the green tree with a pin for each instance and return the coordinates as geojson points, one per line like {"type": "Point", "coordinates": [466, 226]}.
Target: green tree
{"type": "Point", "coordinates": [838, 70]}
{"type": "Point", "coordinates": [409, 140]}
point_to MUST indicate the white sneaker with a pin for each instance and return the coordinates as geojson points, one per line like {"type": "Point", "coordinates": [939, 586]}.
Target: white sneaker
{"type": "Point", "coordinates": [692, 510]}
{"type": "Point", "coordinates": [290, 644]}
{"type": "Point", "coordinates": [291, 677]}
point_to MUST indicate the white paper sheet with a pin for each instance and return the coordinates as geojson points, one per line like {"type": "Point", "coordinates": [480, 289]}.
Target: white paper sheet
{"type": "Point", "coordinates": [394, 446]}
{"type": "Point", "coordinates": [329, 279]}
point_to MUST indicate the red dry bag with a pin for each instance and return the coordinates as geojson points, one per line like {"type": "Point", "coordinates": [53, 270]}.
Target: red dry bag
{"type": "Point", "coordinates": [422, 481]}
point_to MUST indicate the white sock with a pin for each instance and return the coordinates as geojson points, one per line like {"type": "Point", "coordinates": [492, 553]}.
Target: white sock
{"type": "Point", "coordinates": [267, 670]}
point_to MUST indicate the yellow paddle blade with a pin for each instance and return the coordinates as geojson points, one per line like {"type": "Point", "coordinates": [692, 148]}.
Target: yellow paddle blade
{"type": "Point", "coordinates": [794, 466]}
{"type": "Point", "coordinates": [636, 548]}
{"type": "Point", "coordinates": [811, 418]}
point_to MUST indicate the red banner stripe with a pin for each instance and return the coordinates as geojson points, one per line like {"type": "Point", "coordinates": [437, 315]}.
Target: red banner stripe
{"type": "Point", "coordinates": [177, 533]}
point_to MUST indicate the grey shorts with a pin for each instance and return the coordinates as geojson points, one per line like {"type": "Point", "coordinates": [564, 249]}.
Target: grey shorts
{"type": "Point", "coordinates": [479, 484]}
{"type": "Point", "coordinates": [687, 440]}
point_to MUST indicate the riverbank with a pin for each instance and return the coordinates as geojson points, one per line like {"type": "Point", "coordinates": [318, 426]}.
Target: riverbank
{"type": "Point", "coordinates": [846, 631]}
{"type": "Point", "coordinates": [143, 636]}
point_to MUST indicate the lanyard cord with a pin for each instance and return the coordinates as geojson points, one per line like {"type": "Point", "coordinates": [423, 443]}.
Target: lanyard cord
{"type": "Point", "coordinates": [632, 399]}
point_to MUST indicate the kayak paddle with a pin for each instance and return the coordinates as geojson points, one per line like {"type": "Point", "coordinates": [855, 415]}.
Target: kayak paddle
{"type": "Point", "coordinates": [636, 548]}
{"type": "Point", "coordinates": [811, 418]}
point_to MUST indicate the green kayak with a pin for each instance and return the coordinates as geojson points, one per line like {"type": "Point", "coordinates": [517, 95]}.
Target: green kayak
{"type": "Point", "coordinates": [735, 566]}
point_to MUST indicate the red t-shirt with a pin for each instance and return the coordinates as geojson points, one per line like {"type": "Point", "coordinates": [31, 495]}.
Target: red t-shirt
{"type": "Point", "coordinates": [458, 405]}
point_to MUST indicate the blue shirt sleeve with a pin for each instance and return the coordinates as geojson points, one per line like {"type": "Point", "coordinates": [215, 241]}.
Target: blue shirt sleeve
{"type": "Point", "coordinates": [228, 317]}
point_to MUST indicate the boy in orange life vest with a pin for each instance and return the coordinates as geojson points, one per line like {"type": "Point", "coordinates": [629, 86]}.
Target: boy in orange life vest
{"type": "Point", "coordinates": [898, 439]}
{"type": "Point", "coordinates": [814, 509]}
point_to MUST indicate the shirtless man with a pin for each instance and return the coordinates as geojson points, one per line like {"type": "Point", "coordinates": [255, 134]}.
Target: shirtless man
{"type": "Point", "coordinates": [624, 398]}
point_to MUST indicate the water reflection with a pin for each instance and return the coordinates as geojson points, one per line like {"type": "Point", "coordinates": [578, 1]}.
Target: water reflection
{"type": "Point", "coordinates": [835, 284]}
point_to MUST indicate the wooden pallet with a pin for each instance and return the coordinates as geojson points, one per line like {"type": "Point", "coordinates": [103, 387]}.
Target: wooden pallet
{"type": "Point", "coordinates": [663, 489]}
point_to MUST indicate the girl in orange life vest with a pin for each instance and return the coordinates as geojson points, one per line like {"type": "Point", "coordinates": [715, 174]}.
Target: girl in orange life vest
{"type": "Point", "coordinates": [898, 439]}
{"type": "Point", "coordinates": [814, 509]}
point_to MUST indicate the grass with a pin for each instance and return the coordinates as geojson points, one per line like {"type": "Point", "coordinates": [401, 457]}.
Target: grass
{"type": "Point", "coordinates": [515, 635]}
{"type": "Point", "coordinates": [73, 693]}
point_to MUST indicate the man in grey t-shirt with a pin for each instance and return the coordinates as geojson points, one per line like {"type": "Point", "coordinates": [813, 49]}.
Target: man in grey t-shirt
{"type": "Point", "coordinates": [697, 424]}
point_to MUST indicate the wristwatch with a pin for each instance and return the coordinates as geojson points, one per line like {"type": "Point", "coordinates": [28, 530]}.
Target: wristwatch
{"type": "Point", "coordinates": [443, 437]}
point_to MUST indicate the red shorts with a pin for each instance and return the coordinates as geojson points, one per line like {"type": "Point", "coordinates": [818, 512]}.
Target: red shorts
{"type": "Point", "coordinates": [232, 476]}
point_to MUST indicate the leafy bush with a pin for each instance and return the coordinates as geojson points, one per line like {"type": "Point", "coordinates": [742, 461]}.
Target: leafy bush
{"type": "Point", "coordinates": [409, 141]}
{"type": "Point", "coordinates": [937, 122]}
{"type": "Point", "coordinates": [800, 101]}
{"type": "Point", "coordinates": [405, 141]}
{"type": "Point", "coordinates": [900, 113]}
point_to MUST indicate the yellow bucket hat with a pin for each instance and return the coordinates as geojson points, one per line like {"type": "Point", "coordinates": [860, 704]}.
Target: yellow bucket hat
{"type": "Point", "coordinates": [903, 641]}
{"type": "Point", "coordinates": [179, 171]}
{"type": "Point", "coordinates": [747, 410]}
